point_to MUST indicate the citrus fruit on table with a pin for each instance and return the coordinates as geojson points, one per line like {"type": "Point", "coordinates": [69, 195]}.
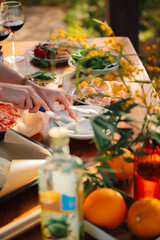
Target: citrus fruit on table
{"type": "Point", "coordinates": [119, 165]}
{"type": "Point", "coordinates": [105, 207]}
{"type": "Point", "coordinates": [143, 218]}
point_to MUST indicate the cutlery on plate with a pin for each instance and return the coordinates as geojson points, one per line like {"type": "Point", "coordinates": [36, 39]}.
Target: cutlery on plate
{"type": "Point", "coordinates": [59, 116]}
{"type": "Point", "coordinates": [70, 126]}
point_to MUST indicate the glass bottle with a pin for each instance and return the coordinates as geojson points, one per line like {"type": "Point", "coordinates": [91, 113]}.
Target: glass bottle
{"type": "Point", "coordinates": [61, 190]}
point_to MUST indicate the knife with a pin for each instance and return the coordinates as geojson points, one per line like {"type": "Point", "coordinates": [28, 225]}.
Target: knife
{"type": "Point", "coordinates": [60, 116]}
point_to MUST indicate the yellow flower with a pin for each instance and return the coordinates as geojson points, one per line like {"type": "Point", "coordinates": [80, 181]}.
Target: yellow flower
{"type": "Point", "coordinates": [53, 37]}
{"type": "Point", "coordinates": [83, 36]}
{"type": "Point", "coordinates": [153, 46]}
{"type": "Point", "coordinates": [143, 97]}
{"type": "Point", "coordinates": [93, 54]}
{"type": "Point", "coordinates": [87, 57]}
{"type": "Point", "coordinates": [98, 81]}
{"type": "Point", "coordinates": [148, 48]}
{"type": "Point", "coordinates": [94, 45]}
{"type": "Point", "coordinates": [109, 31]}
{"type": "Point", "coordinates": [156, 69]}
{"type": "Point", "coordinates": [101, 53]}
{"type": "Point", "coordinates": [109, 77]}
{"type": "Point", "coordinates": [155, 94]}
{"type": "Point", "coordinates": [73, 43]}
{"type": "Point", "coordinates": [90, 75]}
{"type": "Point", "coordinates": [85, 45]}
{"type": "Point", "coordinates": [109, 42]}
{"type": "Point", "coordinates": [149, 68]}
{"type": "Point", "coordinates": [156, 110]}
{"type": "Point", "coordinates": [103, 27]}
{"type": "Point", "coordinates": [79, 39]}
{"type": "Point", "coordinates": [121, 45]}
{"type": "Point", "coordinates": [60, 31]}
{"type": "Point", "coordinates": [84, 83]}
{"type": "Point", "coordinates": [62, 35]}
{"type": "Point", "coordinates": [154, 85]}
{"type": "Point", "coordinates": [127, 104]}
{"type": "Point", "coordinates": [109, 59]}
{"type": "Point", "coordinates": [150, 106]}
{"type": "Point", "coordinates": [69, 38]}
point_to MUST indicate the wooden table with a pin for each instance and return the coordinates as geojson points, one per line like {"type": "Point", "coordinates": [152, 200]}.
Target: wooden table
{"type": "Point", "coordinates": [19, 204]}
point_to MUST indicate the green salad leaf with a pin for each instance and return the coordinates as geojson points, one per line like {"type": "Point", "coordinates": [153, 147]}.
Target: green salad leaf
{"type": "Point", "coordinates": [42, 75]}
{"type": "Point", "coordinates": [41, 63]}
{"type": "Point", "coordinates": [94, 62]}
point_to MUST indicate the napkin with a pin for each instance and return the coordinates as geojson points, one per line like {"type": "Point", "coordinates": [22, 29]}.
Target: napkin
{"type": "Point", "coordinates": [20, 160]}
{"type": "Point", "coordinates": [30, 123]}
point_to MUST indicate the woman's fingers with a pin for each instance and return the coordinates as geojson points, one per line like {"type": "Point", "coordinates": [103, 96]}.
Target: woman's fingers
{"type": "Point", "coordinates": [70, 99]}
{"type": "Point", "coordinates": [62, 99]}
{"type": "Point", "coordinates": [36, 102]}
{"type": "Point", "coordinates": [28, 101]}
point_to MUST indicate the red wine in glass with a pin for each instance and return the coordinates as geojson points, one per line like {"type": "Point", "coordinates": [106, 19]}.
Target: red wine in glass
{"type": "Point", "coordinates": [13, 25]}
{"type": "Point", "coordinates": [13, 22]}
{"type": "Point", "coordinates": [4, 33]}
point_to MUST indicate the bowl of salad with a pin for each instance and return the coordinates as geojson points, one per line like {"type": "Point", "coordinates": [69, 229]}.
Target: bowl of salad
{"type": "Point", "coordinates": [47, 52]}
{"type": "Point", "coordinates": [87, 61]}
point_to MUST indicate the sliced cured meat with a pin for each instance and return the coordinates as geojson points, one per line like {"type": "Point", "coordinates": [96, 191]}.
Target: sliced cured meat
{"type": "Point", "coordinates": [8, 116]}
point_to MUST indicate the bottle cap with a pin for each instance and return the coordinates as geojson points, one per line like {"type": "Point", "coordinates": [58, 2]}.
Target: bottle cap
{"type": "Point", "coordinates": [58, 135]}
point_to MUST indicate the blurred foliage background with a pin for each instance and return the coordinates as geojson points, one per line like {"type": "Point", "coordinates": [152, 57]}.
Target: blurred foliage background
{"type": "Point", "coordinates": [83, 11]}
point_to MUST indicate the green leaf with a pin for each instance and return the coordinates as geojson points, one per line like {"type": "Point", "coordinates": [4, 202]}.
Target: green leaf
{"type": "Point", "coordinates": [130, 119]}
{"type": "Point", "coordinates": [157, 137]}
{"type": "Point", "coordinates": [109, 170]}
{"type": "Point", "coordinates": [36, 74]}
{"type": "Point", "coordinates": [41, 63]}
{"type": "Point", "coordinates": [141, 153]}
{"type": "Point", "coordinates": [103, 158]}
{"type": "Point", "coordinates": [130, 160]}
{"type": "Point", "coordinates": [106, 179]}
{"type": "Point", "coordinates": [89, 187]}
{"type": "Point", "coordinates": [100, 137]}
{"type": "Point", "coordinates": [43, 75]}
{"type": "Point", "coordinates": [50, 49]}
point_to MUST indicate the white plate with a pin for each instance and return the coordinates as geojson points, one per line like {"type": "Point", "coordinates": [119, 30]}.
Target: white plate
{"type": "Point", "coordinates": [77, 135]}
{"type": "Point", "coordinates": [57, 60]}
{"type": "Point", "coordinates": [73, 93]}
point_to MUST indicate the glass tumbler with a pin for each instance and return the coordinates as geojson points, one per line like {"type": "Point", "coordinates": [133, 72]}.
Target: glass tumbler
{"type": "Point", "coordinates": [147, 172]}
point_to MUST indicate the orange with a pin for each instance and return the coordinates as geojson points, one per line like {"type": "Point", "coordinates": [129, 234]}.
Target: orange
{"type": "Point", "coordinates": [143, 218]}
{"type": "Point", "coordinates": [105, 207]}
{"type": "Point", "coordinates": [119, 164]}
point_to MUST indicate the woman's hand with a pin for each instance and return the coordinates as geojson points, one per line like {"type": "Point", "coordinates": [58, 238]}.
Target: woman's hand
{"type": "Point", "coordinates": [49, 96]}
{"type": "Point", "coordinates": [22, 97]}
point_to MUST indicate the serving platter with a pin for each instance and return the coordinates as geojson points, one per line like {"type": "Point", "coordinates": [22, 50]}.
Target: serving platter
{"type": "Point", "coordinates": [97, 100]}
{"type": "Point", "coordinates": [57, 60]}
{"type": "Point", "coordinates": [76, 135]}
{"type": "Point", "coordinates": [48, 61]}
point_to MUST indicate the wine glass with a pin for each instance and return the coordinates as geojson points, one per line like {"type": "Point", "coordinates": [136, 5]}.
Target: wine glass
{"type": "Point", "coordinates": [14, 21]}
{"type": "Point", "coordinates": [4, 32]}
